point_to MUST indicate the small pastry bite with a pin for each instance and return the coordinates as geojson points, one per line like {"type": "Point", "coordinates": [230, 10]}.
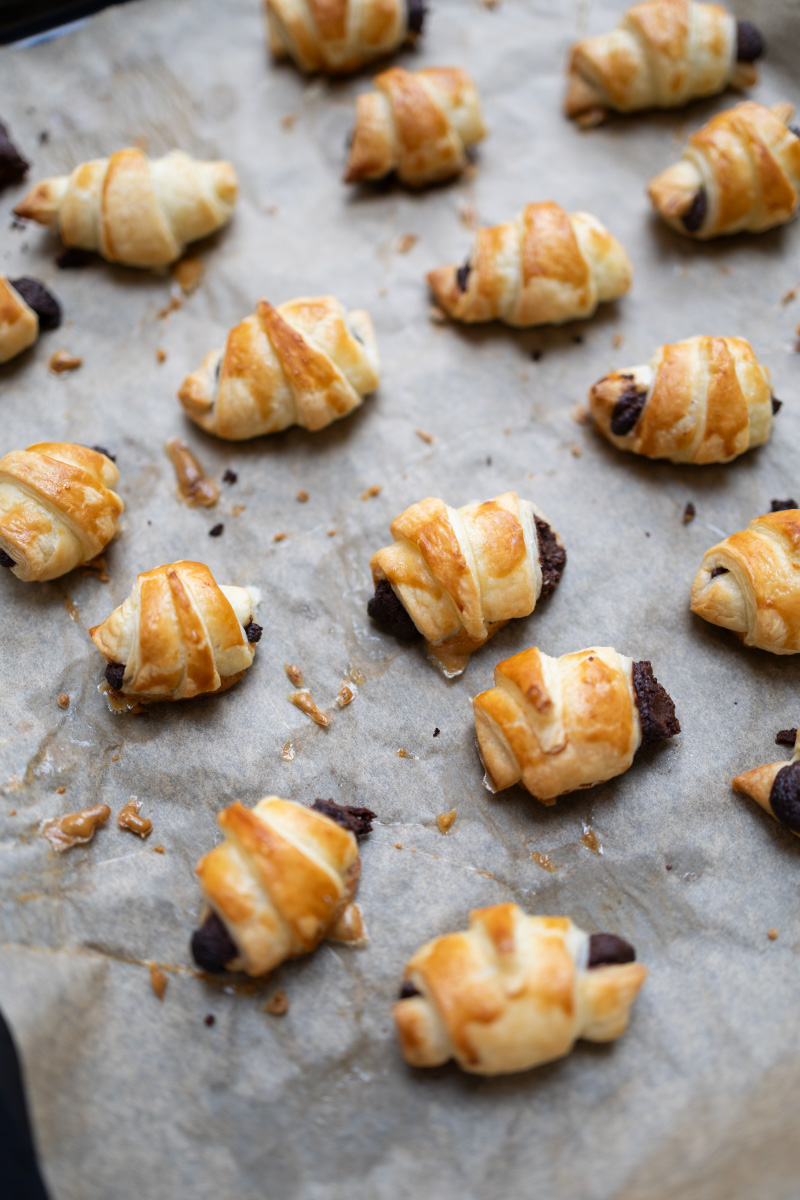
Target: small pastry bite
{"type": "Point", "coordinates": [455, 576]}
{"type": "Point", "coordinates": [306, 362]}
{"type": "Point", "coordinates": [419, 124]}
{"type": "Point", "coordinates": [662, 54]}
{"type": "Point", "coordinates": [135, 210]}
{"type": "Point", "coordinates": [337, 36]}
{"type": "Point", "coordinates": [750, 583]}
{"type": "Point", "coordinates": [179, 634]}
{"type": "Point", "coordinates": [740, 173]}
{"type": "Point", "coordinates": [776, 787]}
{"type": "Point", "coordinates": [558, 724]}
{"type": "Point", "coordinates": [283, 879]}
{"type": "Point", "coordinates": [513, 992]}
{"type": "Point", "coordinates": [57, 508]}
{"type": "Point", "coordinates": [702, 400]}
{"type": "Point", "coordinates": [13, 167]}
{"type": "Point", "coordinates": [543, 268]}
{"type": "Point", "coordinates": [26, 308]}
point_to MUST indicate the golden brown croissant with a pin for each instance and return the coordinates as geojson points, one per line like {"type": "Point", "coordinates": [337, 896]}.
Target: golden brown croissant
{"type": "Point", "coordinates": [57, 509]}
{"type": "Point", "coordinates": [558, 724]}
{"type": "Point", "coordinates": [26, 307]}
{"type": "Point", "coordinates": [179, 634]}
{"type": "Point", "coordinates": [544, 267]}
{"type": "Point", "coordinates": [662, 54]}
{"type": "Point", "coordinates": [134, 210]}
{"type": "Point", "coordinates": [514, 991]}
{"type": "Point", "coordinates": [282, 880]}
{"type": "Point", "coordinates": [703, 400]}
{"type": "Point", "coordinates": [419, 124]}
{"type": "Point", "coordinates": [750, 583]}
{"type": "Point", "coordinates": [776, 786]}
{"type": "Point", "coordinates": [739, 173]}
{"type": "Point", "coordinates": [455, 576]}
{"type": "Point", "coordinates": [307, 362]}
{"type": "Point", "coordinates": [341, 35]}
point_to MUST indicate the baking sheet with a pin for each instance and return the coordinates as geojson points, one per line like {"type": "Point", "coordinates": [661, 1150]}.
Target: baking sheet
{"type": "Point", "coordinates": [135, 1097]}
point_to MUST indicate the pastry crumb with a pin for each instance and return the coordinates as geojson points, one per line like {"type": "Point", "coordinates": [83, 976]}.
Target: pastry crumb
{"type": "Point", "coordinates": [407, 242]}
{"type": "Point", "coordinates": [437, 315]}
{"type": "Point", "coordinates": [63, 700]}
{"type": "Point", "coordinates": [689, 513]}
{"type": "Point", "coordinates": [383, 291]}
{"type": "Point", "coordinates": [278, 1004]}
{"type": "Point", "coordinates": [468, 216]}
{"type": "Point", "coordinates": [346, 696]}
{"type": "Point", "coordinates": [293, 674]}
{"type": "Point", "coordinates": [332, 532]}
{"type": "Point", "coordinates": [128, 818]}
{"type": "Point", "coordinates": [238, 509]}
{"type": "Point", "coordinates": [773, 934]}
{"type": "Point", "coordinates": [375, 490]}
{"type": "Point", "coordinates": [426, 437]}
{"type": "Point", "coordinates": [404, 754]}
{"type": "Point", "coordinates": [576, 451]}
{"type": "Point", "coordinates": [115, 758]}
{"type": "Point", "coordinates": [12, 812]}
{"type": "Point", "coordinates": [445, 821]}
{"type": "Point", "coordinates": [542, 860]}
{"type": "Point", "coordinates": [398, 845]}
{"type": "Point", "coordinates": [161, 355]}
{"type": "Point", "coordinates": [99, 567]}
{"type": "Point", "coordinates": [62, 361]}
{"type": "Point", "coordinates": [172, 305]}
{"type": "Point", "coordinates": [159, 850]}
{"type": "Point", "coordinates": [74, 829]}
{"type": "Point", "coordinates": [195, 489]}
{"type": "Point", "coordinates": [188, 273]}
{"type": "Point", "coordinates": [158, 980]}
{"type": "Point", "coordinates": [60, 791]}
{"type": "Point", "coordinates": [279, 537]}
{"type": "Point", "coordinates": [617, 340]}
{"type": "Point", "coordinates": [303, 496]}
{"type": "Point", "coordinates": [581, 415]}
{"type": "Point", "coordinates": [288, 752]}
{"type": "Point", "coordinates": [791, 295]}
{"type": "Point", "coordinates": [289, 121]}
{"type": "Point", "coordinates": [302, 700]}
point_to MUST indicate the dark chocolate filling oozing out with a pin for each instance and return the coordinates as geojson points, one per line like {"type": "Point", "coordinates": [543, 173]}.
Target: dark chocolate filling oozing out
{"type": "Point", "coordinates": [407, 991]}
{"type": "Point", "coordinates": [37, 297]}
{"type": "Point", "coordinates": [253, 632]}
{"type": "Point", "coordinates": [719, 571]}
{"type": "Point", "coordinates": [782, 505]}
{"type": "Point", "coordinates": [785, 737]}
{"type": "Point", "coordinates": [386, 610]}
{"type": "Point", "coordinates": [114, 675]}
{"type": "Point", "coordinates": [695, 215]}
{"type": "Point", "coordinates": [462, 276]}
{"type": "Point", "coordinates": [607, 948]}
{"type": "Point", "coordinates": [777, 405]}
{"type": "Point", "coordinates": [73, 256]}
{"type": "Point", "coordinates": [6, 560]}
{"type": "Point", "coordinates": [416, 15]}
{"type": "Point", "coordinates": [552, 558]}
{"type": "Point", "coordinates": [627, 410]}
{"type": "Point", "coordinates": [656, 709]}
{"type": "Point", "coordinates": [212, 946]}
{"type": "Point", "coordinates": [784, 798]}
{"type": "Point", "coordinates": [102, 450]}
{"type": "Point", "coordinates": [12, 165]}
{"type": "Point", "coordinates": [349, 816]}
{"type": "Point", "coordinates": [749, 42]}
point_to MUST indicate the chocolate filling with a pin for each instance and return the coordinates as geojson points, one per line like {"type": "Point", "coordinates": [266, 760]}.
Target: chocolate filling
{"type": "Point", "coordinates": [462, 275]}
{"type": "Point", "coordinates": [6, 560]}
{"type": "Point", "coordinates": [73, 256]}
{"type": "Point", "coordinates": [102, 450]}
{"type": "Point", "coordinates": [357, 820]}
{"type": "Point", "coordinates": [784, 798]}
{"type": "Point", "coordinates": [627, 410]}
{"type": "Point", "coordinates": [777, 405]}
{"type": "Point", "coordinates": [795, 129]}
{"type": "Point", "coordinates": [416, 15]}
{"type": "Point", "coordinates": [695, 215]}
{"type": "Point", "coordinates": [781, 505]}
{"type": "Point", "coordinates": [749, 42]}
{"type": "Point", "coordinates": [785, 737]}
{"type": "Point", "coordinates": [216, 530]}
{"type": "Point", "coordinates": [387, 611]}
{"type": "Point", "coordinates": [719, 571]}
{"type": "Point", "coordinates": [552, 558]}
{"type": "Point", "coordinates": [407, 991]}
{"type": "Point", "coordinates": [229, 476]}
{"type": "Point", "coordinates": [114, 675]}
{"type": "Point", "coordinates": [253, 632]}
{"type": "Point", "coordinates": [607, 948]}
{"type": "Point", "coordinates": [12, 165]}
{"type": "Point", "coordinates": [37, 297]}
{"type": "Point", "coordinates": [656, 709]}
{"type": "Point", "coordinates": [212, 946]}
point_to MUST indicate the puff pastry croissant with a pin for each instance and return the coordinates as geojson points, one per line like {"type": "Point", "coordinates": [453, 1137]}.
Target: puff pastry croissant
{"type": "Point", "coordinates": [703, 400]}
{"type": "Point", "coordinates": [307, 362]}
{"type": "Point", "coordinates": [281, 881]}
{"type": "Point", "coordinates": [776, 787]}
{"type": "Point", "coordinates": [134, 210]}
{"type": "Point", "coordinates": [57, 508]}
{"type": "Point", "coordinates": [419, 124]}
{"type": "Point", "coordinates": [740, 173]}
{"type": "Point", "coordinates": [179, 634]}
{"type": "Point", "coordinates": [26, 307]}
{"type": "Point", "coordinates": [559, 724]}
{"type": "Point", "coordinates": [662, 54]}
{"type": "Point", "coordinates": [544, 267]}
{"type": "Point", "coordinates": [341, 35]}
{"type": "Point", "coordinates": [750, 583]}
{"type": "Point", "coordinates": [513, 992]}
{"type": "Point", "coordinates": [455, 576]}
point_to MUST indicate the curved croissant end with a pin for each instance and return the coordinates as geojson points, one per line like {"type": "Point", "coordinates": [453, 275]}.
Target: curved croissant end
{"type": "Point", "coordinates": [19, 324]}
{"type": "Point", "coordinates": [776, 788]}
{"type": "Point", "coordinates": [543, 268]}
{"type": "Point", "coordinates": [513, 992]}
{"type": "Point", "coordinates": [340, 35]}
{"type": "Point", "coordinates": [307, 362]}
{"type": "Point", "coordinates": [703, 400]}
{"type": "Point", "coordinates": [133, 210]}
{"type": "Point", "coordinates": [179, 634]}
{"type": "Point", "coordinates": [57, 509]}
{"type": "Point", "coordinates": [749, 583]}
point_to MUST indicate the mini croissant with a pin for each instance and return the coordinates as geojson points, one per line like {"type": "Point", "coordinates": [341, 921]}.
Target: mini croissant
{"type": "Point", "coordinates": [26, 307]}
{"type": "Point", "coordinates": [341, 35]}
{"type": "Point", "coordinates": [703, 400]}
{"type": "Point", "coordinates": [419, 124]}
{"type": "Point", "coordinates": [57, 509]}
{"type": "Point", "coordinates": [559, 724]}
{"type": "Point", "coordinates": [776, 787]}
{"type": "Point", "coordinates": [543, 268]}
{"type": "Point", "coordinates": [307, 362]}
{"type": "Point", "coordinates": [513, 992]}
{"type": "Point", "coordinates": [750, 583]}
{"type": "Point", "coordinates": [134, 210]}
{"type": "Point", "coordinates": [283, 879]}
{"type": "Point", "coordinates": [663, 54]}
{"type": "Point", "coordinates": [179, 634]}
{"type": "Point", "coordinates": [740, 173]}
{"type": "Point", "coordinates": [455, 576]}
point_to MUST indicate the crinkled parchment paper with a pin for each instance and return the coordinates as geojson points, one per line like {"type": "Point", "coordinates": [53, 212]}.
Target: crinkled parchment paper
{"type": "Point", "coordinates": [135, 1097]}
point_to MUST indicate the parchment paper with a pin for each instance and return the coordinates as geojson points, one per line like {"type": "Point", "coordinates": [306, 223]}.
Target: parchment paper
{"type": "Point", "coordinates": [132, 1097]}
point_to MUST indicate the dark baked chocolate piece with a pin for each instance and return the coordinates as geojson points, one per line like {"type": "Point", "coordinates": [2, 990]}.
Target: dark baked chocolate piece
{"type": "Point", "coordinates": [37, 297]}
{"type": "Point", "coordinates": [784, 799]}
{"type": "Point", "coordinates": [552, 558]}
{"type": "Point", "coordinates": [407, 991]}
{"type": "Point", "coordinates": [689, 513]}
{"type": "Point", "coordinates": [349, 816]}
{"type": "Point", "coordinates": [416, 15]}
{"type": "Point", "coordinates": [627, 410]}
{"type": "Point", "coordinates": [462, 275]}
{"type": "Point", "coordinates": [212, 946]}
{"type": "Point", "coordinates": [777, 405]}
{"type": "Point", "coordinates": [719, 571]}
{"type": "Point", "coordinates": [73, 256]}
{"type": "Point", "coordinates": [102, 450]}
{"type": "Point", "coordinates": [114, 675]}
{"type": "Point", "coordinates": [749, 42]}
{"type": "Point", "coordinates": [253, 632]}
{"type": "Point", "coordinates": [695, 215]}
{"type": "Point", "coordinates": [781, 505]}
{"type": "Point", "coordinates": [656, 709]}
{"type": "Point", "coordinates": [12, 165]}
{"type": "Point", "coordinates": [387, 611]}
{"type": "Point", "coordinates": [216, 530]}
{"type": "Point", "coordinates": [229, 476]}
{"type": "Point", "coordinates": [607, 948]}
{"type": "Point", "coordinates": [785, 737]}
{"type": "Point", "coordinates": [6, 560]}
